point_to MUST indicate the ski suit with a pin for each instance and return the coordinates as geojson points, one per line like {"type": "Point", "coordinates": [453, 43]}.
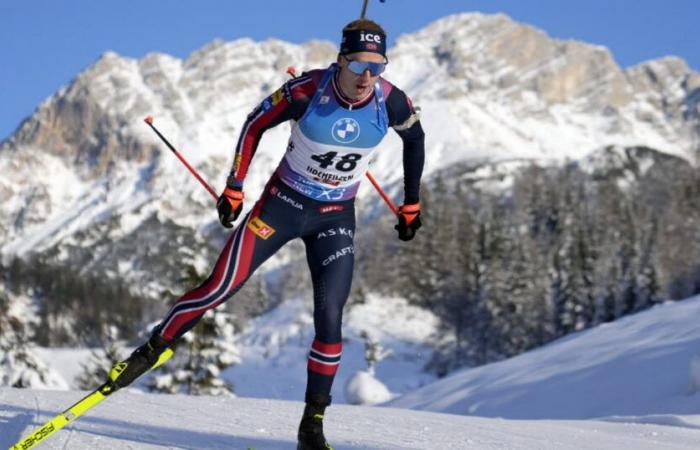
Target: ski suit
{"type": "Point", "coordinates": [309, 196]}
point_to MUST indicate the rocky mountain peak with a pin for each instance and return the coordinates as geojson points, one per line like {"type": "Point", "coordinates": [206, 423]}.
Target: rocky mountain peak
{"type": "Point", "coordinates": [505, 58]}
{"type": "Point", "coordinates": [490, 88]}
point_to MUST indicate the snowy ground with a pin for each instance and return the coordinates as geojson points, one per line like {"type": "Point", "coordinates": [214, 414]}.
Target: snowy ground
{"type": "Point", "coordinates": [642, 368]}
{"type": "Point", "coordinates": [632, 384]}
{"type": "Point", "coordinates": [149, 421]}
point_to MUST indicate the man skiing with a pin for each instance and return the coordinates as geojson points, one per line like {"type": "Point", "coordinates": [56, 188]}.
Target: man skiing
{"type": "Point", "coordinates": [340, 116]}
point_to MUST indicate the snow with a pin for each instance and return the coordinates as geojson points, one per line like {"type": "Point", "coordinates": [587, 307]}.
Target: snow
{"type": "Point", "coordinates": [694, 385]}
{"type": "Point", "coordinates": [274, 349]}
{"type": "Point", "coordinates": [364, 389]}
{"type": "Point", "coordinates": [638, 368]}
{"type": "Point", "coordinates": [628, 384]}
{"type": "Point", "coordinates": [275, 346]}
{"type": "Point", "coordinates": [128, 420]}
{"type": "Point", "coordinates": [65, 361]}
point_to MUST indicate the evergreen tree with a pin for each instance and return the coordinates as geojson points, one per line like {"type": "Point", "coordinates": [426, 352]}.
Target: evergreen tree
{"type": "Point", "coordinates": [374, 352]}
{"type": "Point", "coordinates": [96, 369]}
{"type": "Point", "coordinates": [20, 367]}
{"type": "Point", "coordinates": [200, 355]}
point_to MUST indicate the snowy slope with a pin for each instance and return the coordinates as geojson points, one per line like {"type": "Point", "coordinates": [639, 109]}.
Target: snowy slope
{"type": "Point", "coordinates": [134, 421]}
{"type": "Point", "coordinates": [645, 368]}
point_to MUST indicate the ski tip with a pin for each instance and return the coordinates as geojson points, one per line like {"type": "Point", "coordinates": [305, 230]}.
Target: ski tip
{"type": "Point", "coordinates": [148, 120]}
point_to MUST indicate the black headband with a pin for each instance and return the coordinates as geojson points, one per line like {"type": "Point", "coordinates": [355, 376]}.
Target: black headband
{"type": "Point", "coordinates": [363, 41]}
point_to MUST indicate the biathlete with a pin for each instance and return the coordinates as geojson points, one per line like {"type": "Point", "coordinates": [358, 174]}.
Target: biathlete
{"type": "Point", "coordinates": [340, 115]}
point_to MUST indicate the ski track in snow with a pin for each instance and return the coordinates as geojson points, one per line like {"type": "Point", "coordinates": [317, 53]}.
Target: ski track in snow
{"type": "Point", "coordinates": [151, 421]}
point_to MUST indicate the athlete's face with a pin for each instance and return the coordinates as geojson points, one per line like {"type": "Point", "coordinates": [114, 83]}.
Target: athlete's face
{"type": "Point", "coordinates": [358, 86]}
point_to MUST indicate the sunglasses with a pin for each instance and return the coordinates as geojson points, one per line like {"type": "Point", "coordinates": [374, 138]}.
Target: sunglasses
{"type": "Point", "coordinates": [359, 67]}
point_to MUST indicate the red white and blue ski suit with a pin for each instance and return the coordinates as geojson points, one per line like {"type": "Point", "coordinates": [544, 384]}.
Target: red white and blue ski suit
{"type": "Point", "coordinates": [309, 196]}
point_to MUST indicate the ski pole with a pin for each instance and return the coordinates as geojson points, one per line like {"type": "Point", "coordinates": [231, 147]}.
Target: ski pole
{"type": "Point", "coordinates": [293, 73]}
{"type": "Point", "coordinates": [149, 121]}
{"type": "Point", "coordinates": [364, 8]}
{"type": "Point", "coordinates": [381, 192]}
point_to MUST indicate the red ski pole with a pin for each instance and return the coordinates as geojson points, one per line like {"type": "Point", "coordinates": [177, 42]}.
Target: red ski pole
{"type": "Point", "coordinates": [149, 121]}
{"type": "Point", "coordinates": [381, 192]}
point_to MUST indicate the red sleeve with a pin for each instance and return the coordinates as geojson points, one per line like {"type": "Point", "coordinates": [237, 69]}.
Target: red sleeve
{"type": "Point", "coordinates": [288, 102]}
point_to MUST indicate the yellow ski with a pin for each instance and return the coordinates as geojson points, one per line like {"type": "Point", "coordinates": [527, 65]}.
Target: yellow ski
{"type": "Point", "coordinates": [75, 411]}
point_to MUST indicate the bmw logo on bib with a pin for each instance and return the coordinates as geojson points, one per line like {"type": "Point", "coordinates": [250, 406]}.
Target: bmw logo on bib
{"type": "Point", "coordinates": [346, 130]}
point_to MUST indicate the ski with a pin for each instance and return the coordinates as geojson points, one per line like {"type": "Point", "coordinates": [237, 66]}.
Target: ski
{"type": "Point", "coordinates": [83, 405]}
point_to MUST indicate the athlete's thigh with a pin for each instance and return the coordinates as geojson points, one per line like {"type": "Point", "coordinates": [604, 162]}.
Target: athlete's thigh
{"type": "Point", "coordinates": [330, 254]}
{"type": "Point", "coordinates": [267, 227]}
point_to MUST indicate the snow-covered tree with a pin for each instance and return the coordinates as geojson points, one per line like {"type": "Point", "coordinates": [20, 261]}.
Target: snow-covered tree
{"type": "Point", "coordinates": [374, 351]}
{"type": "Point", "coordinates": [200, 357]}
{"type": "Point", "coordinates": [19, 365]}
{"type": "Point", "coordinates": [201, 354]}
{"type": "Point", "coordinates": [96, 369]}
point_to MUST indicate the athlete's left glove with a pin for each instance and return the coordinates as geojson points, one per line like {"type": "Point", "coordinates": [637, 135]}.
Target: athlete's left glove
{"type": "Point", "coordinates": [230, 205]}
{"type": "Point", "coordinates": [409, 221]}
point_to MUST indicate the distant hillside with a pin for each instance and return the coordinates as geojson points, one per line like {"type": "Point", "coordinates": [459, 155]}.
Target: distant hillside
{"type": "Point", "coordinates": [644, 368]}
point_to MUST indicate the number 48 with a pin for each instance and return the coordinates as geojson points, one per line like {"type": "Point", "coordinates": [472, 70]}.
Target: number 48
{"type": "Point", "coordinates": [346, 163]}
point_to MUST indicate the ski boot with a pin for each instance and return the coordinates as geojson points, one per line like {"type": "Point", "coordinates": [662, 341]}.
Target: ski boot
{"type": "Point", "coordinates": [310, 435]}
{"type": "Point", "coordinates": [151, 354]}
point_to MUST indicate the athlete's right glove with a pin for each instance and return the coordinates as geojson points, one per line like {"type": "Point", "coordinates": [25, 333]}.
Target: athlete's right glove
{"type": "Point", "coordinates": [409, 221]}
{"type": "Point", "coordinates": [229, 205]}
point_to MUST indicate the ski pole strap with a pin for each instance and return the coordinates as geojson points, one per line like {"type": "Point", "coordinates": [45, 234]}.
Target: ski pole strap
{"type": "Point", "coordinates": [413, 208]}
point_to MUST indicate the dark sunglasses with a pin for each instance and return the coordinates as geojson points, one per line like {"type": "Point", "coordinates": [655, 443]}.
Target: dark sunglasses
{"type": "Point", "coordinates": [358, 67]}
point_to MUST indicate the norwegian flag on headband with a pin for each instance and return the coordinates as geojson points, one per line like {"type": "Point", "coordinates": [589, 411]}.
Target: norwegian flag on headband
{"type": "Point", "coordinates": [363, 41]}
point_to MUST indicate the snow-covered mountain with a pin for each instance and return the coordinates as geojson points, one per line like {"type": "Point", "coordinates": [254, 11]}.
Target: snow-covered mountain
{"type": "Point", "coordinates": [490, 89]}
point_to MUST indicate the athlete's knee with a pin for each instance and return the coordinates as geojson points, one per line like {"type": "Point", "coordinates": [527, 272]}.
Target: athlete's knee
{"type": "Point", "coordinates": [328, 323]}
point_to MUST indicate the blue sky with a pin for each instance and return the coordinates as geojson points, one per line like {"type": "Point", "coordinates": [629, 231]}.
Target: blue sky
{"type": "Point", "coordinates": [45, 43]}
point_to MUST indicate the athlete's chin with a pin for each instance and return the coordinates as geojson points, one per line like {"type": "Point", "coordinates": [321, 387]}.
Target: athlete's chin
{"type": "Point", "coordinates": [361, 92]}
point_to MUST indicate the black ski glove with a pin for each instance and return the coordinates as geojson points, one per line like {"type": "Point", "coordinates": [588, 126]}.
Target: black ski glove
{"type": "Point", "coordinates": [409, 221]}
{"type": "Point", "coordinates": [229, 205]}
